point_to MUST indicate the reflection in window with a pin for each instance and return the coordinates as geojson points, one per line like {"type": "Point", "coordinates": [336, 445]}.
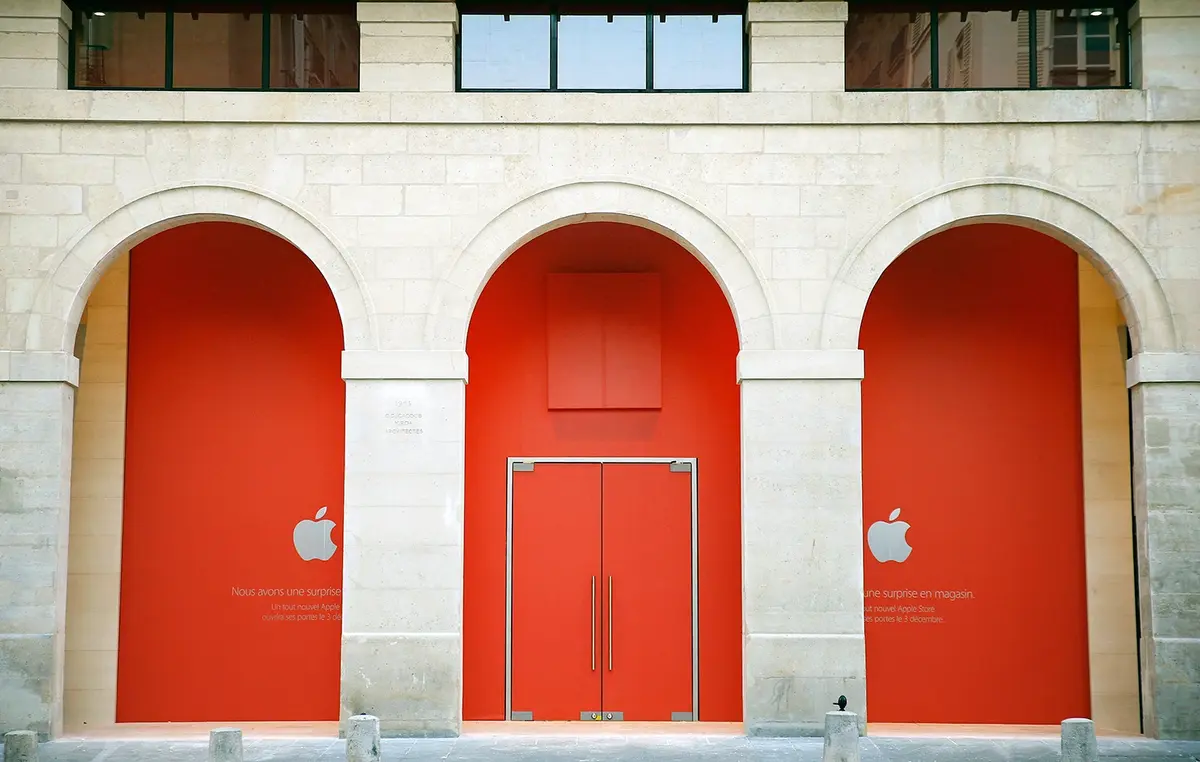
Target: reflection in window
{"type": "Point", "coordinates": [602, 53]}
{"type": "Point", "coordinates": [314, 51]}
{"type": "Point", "coordinates": [505, 52]}
{"type": "Point", "coordinates": [595, 52]}
{"type": "Point", "coordinates": [982, 50]}
{"type": "Point", "coordinates": [698, 52]}
{"type": "Point", "coordinates": [942, 45]}
{"type": "Point", "coordinates": [217, 50]}
{"type": "Point", "coordinates": [888, 50]}
{"type": "Point", "coordinates": [193, 44]}
{"type": "Point", "coordinates": [1078, 49]}
{"type": "Point", "coordinates": [120, 49]}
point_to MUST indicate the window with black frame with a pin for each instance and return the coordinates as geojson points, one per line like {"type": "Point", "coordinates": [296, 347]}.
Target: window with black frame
{"type": "Point", "coordinates": [986, 44]}
{"type": "Point", "coordinates": [583, 46]}
{"type": "Point", "coordinates": [197, 45]}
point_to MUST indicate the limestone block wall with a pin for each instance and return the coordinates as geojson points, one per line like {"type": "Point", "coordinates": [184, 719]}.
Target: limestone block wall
{"type": "Point", "coordinates": [34, 36]}
{"type": "Point", "coordinates": [1108, 508]}
{"type": "Point", "coordinates": [1166, 44]}
{"type": "Point", "coordinates": [97, 488]}
{"type": "Point", "coordinates": [797, 47]}
{"type": "Point", "coordinates": [407, 201]}
{"type": "Point", "coordinates": [407, 46]}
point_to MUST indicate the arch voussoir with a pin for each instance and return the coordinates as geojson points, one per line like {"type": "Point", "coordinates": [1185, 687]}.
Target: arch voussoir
{"type": "Point", "coordinates": [59, 304]}
{"type": "Point", "coordinates": [679, 220]}
{"type": "Point", "coordinates": [1045, 209]}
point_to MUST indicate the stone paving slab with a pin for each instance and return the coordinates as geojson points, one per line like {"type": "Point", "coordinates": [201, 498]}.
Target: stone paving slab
{"type": "Point", "coordinates": [482, 748]}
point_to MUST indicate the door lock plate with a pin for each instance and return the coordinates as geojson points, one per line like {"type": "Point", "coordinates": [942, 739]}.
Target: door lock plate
{"type": "Point", "coordinates": [602, 716]}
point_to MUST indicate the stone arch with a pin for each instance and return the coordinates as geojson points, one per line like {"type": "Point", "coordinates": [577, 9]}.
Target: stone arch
{"type": "Point", "coordinates": [1020, 202]}
{"type": "Point", "coordinates": [664, 213]}
{"type": "Point", "coordinates": [63, 295]}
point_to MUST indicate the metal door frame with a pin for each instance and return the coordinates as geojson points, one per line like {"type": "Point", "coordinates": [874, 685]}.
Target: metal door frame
{"type": "Point", "coordinates": [691, 463]}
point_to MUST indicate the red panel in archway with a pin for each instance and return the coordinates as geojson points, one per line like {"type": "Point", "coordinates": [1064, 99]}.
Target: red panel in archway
{"type": "Point", "coordinates": [508, 414]}
{"type": "Point", "coordinates": [971, 428]}
{"type": "Point", "coordinates": [235, 436]}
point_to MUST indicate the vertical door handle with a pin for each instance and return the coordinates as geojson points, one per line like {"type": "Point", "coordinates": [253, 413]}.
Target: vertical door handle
{"type": "Point", "coordinates": [610, 627]}
{"type": "Point", "coordinates": [593, 623]}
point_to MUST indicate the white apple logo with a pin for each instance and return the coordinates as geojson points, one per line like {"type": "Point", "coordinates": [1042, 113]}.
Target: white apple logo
{"type": "Point", "coordinates": [886, 539]}
{"type": "Point", "coordinates": [312, 538]}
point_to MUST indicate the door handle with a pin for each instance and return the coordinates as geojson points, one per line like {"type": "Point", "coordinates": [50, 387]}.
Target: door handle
{"type": "Point", "coordinates": [593, 623]}
{"type": "Point", "coordinates": [610, 627]}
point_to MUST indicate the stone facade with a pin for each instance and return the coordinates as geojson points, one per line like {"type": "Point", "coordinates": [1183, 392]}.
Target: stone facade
{"type": "Point", "coordinates": [408, 195]}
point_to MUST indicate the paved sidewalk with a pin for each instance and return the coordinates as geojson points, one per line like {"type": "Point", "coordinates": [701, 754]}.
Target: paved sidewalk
{"type": "Point", "coordinates": [511, 748]}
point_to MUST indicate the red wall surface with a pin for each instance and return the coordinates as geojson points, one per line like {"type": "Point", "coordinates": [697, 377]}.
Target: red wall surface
{"type": "Point", "coordinates": [235, 433]}
{"type": "Point", "coordinates": [971, 427]}
{"type": "Point", "coordinates": [508, 415]}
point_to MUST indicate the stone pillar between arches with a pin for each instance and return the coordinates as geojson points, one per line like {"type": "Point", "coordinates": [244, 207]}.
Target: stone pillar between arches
{"type": "Point", "coordinates": [37, 397]}
{"type": "Point", "coordinates": [802, 538]}
{"type": "Point", "coordinates": [1166, 481]}
{"type": "Point", "coordinates": [402, 581]}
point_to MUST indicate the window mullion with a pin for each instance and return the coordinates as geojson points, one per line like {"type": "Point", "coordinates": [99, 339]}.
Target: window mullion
{"type": "Point", "coordinates": [169, 77]}
{"type": "Point", "coordinates": [649, 51]}
{"type": "Point", "coordinates": [457, 52]}
{"type": "Point", "coordinates": [1125, 37]}
{"type": "Point", "coordinates": [72, 41]}
{"type": "Point", "coordinates": [554, 50]}
{"type": "Point", "coordinates": [266, 46]}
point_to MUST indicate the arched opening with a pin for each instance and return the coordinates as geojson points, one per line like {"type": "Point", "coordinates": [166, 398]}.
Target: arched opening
{"type": "Point", "coordinates": [602, 450]}
{"type": "Point", "coordinates": [996, 431]}
{"type": "Point", "coordinates": [204, 566]}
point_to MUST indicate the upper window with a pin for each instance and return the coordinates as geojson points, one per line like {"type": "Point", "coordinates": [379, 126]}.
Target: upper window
{"type": "Point", "coordinates": [196, 45]}
{"type": "Point", "coordinates": [977, 45]}
{"type": "Point", "coordinates": [577, 45]}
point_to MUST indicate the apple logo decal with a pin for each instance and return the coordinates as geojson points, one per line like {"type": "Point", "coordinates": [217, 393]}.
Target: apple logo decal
{"type": "Point", "coordinates": [312, 538]}
{"type": "Point", "coordinates": [886, 539]}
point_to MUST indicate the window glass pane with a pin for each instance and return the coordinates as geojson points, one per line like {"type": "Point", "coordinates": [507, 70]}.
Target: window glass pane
{"type": "Point", "coordinates": [597, 54]}
{"type": "Point", "coordinates": [120, 50]}
{"type": "Point", "coordinates": [1097, 52]}
{"type": "Point", "coordinates": [314, 50]}
{"type": "Point", "coordinates": [505, 55]}
{"type": "Point", "coordinates": [696, 53]}
{"type": "Point", "coordinates": [987, 49]}
{"type": "Point", "coordinates": [218, 50]}
{"type": "Point", "coordinates": [1082, 51]}
{"type": "Point", "coordinates": [1066, 50]}
{"type": "Point", "coordinates": [887, 50]}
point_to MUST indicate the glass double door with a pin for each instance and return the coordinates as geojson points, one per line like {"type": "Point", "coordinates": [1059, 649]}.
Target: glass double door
{"type": "Point", "coordinates": [601, 591]}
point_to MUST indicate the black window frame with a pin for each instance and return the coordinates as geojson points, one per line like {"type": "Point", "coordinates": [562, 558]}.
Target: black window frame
{"type": "Point", "coordinates": [85, 8]}
{"type": "Point", "coordinates": [936, 8]}
{"type": "Point", "coordinates": [555, 9]}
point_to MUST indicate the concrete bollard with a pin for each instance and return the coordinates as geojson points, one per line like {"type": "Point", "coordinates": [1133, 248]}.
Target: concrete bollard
{"type": "Point", "coordinates": [841, 737]}
{"type": "Point", "coordinates": [1079, 741]}
{"type": "Point", "coordinates": [20, 746]}
{"type": "Point", "coordinates": [225, 745]}
{"type": "Point", "coordinates": [362, 739]}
